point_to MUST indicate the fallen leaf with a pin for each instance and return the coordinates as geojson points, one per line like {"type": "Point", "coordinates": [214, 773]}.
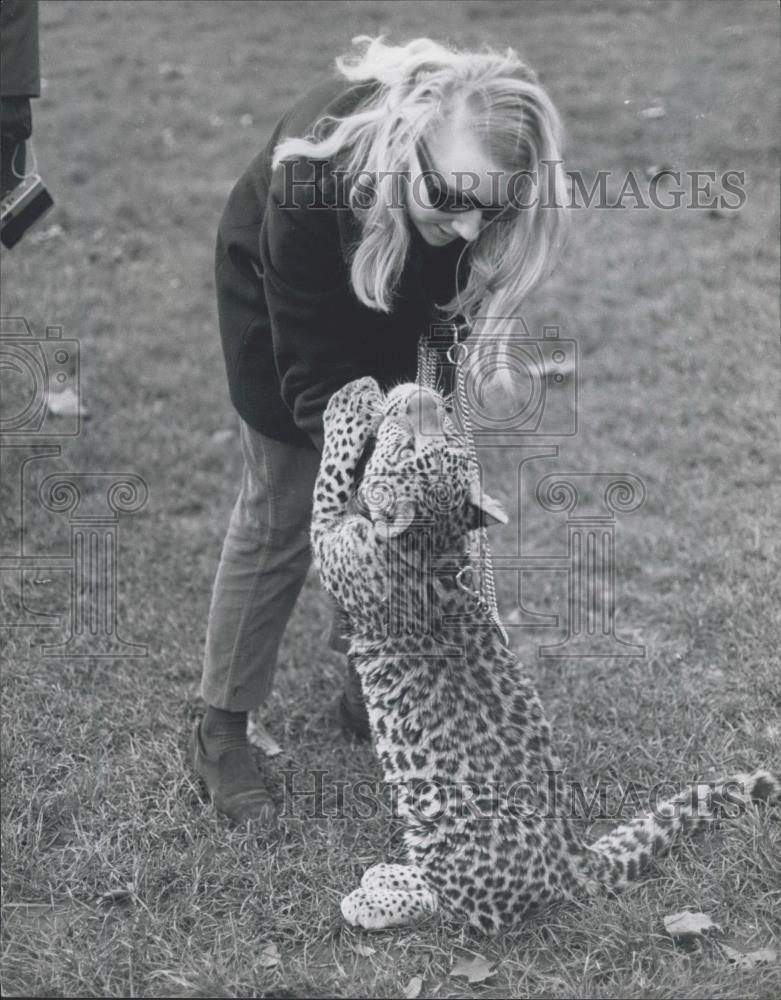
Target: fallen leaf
{"type": "Point", "coordinates": [687, 925]}
{"type": "Point", "coordinates": [223, 436]}
{"type": "Point", "coordinates": [260, 737]}
{"type": "Point", "coordinates": [65, 404]}
{"type": "Point", "coordinates": [721, 213]}
{"type": "Point", "coordinates": [364, 949]}
{"type": "Point", "coordinates": [413, 988]}
{"type": "Point", "coordinates": [475, 969]}
{"type": "Point", "coordinates": [116, 895]}
{"type": "Point", "coordinates": [269, 955]}
{"type": "Point", "coordinates": [657, 170]}
{"type": "Point", "coordinates": [748, 959]}
{"type": "Point", "coordinates": [50, 233]}
{"type": "Point", "coordinates": [169, 71]}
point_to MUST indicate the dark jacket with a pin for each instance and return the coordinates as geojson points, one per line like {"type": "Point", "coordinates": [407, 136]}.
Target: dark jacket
{"type": "Point", "coordinates": [20, 74]}
{"type": "Point", "coordinates": [293, 331]}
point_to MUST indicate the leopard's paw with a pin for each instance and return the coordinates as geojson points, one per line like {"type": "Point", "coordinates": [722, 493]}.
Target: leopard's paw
{"type": "Point", "coordinates": [360, 399]}
{"type": "Point", "coordinates": [376, 909]}
{"type": "Point", "coordinates": [394, 877]}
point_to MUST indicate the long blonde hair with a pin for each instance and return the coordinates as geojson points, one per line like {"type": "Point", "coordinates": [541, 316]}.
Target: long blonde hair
{"type": "Point", "coordinates": [419, 86]}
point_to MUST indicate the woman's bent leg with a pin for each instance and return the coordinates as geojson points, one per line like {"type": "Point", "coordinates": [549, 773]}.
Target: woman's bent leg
{"type": "Point", "coordinates": [262, 568]}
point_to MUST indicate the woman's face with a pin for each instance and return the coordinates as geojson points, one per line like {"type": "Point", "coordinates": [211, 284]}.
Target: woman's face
{"type": "Point", "coordinates": [452, 159]}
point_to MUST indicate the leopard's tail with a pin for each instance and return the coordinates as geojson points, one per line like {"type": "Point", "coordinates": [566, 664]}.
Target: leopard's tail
{"type": "Point", "coordinates": [619, 857]}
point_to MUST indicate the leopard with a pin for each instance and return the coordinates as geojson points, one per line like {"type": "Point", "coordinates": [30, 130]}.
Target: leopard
{"type": "Point", "coordinates": [458, 727]}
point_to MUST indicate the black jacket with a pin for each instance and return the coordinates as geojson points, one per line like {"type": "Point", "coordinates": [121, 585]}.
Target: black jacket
{"type": "Point", "coordinates": [20, 73]}
{"type": "Point", "coordinates": [293, 331]}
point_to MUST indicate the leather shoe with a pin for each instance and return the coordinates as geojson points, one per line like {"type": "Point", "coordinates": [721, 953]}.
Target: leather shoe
{"type": "Point", "coordinates": [234, 783]}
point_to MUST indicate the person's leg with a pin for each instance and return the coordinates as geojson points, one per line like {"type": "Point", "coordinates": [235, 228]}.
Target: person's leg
{"type": "Point", "coordinates": [352, 706]}
{"type": "Point", "coordinates": [262, 568]}
{"type": "Point", "coordinates": [15, 128]}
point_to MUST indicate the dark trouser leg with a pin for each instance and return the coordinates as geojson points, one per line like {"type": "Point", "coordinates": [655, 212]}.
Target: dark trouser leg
{"type": "Point", "coordinates": [15, 127]}
{"type": "Point", "coordinates": [262, 568]}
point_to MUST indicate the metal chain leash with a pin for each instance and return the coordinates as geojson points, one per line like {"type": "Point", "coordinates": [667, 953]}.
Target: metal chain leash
{"type": "Point", "coordinates": [480, 561]}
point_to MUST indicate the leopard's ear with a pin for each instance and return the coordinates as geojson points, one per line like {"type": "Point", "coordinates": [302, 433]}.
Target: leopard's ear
{"type": "Point", "coordinates": [482, 510]}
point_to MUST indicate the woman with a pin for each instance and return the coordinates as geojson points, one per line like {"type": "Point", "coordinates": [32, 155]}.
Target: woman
{"type": "Point", "coordinates": [386, 199]}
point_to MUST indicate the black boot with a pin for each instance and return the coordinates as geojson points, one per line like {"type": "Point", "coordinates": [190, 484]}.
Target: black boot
{"type": "Point", "coordinates": [223, 760]}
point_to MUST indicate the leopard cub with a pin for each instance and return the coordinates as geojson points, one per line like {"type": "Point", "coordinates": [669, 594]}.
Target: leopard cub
{"type": "Point", "coordinates": [457, 726]}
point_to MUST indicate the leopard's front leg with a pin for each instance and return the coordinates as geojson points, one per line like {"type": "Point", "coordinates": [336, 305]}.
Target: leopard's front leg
{"type": "Point", "coordinates": [389, 896]}
{"type": "Point", "coordinates": [350, 419]}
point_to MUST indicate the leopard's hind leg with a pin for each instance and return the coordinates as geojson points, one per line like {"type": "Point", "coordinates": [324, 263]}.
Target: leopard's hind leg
{"type": "Point", "coordinates": [389, 896]}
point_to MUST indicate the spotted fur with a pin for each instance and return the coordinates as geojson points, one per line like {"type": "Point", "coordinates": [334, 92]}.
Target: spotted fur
{"type": "Point", "coordinates": [457, 726]}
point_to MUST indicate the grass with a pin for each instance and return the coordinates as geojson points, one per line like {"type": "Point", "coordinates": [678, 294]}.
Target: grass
{"type": "Point", "coordinates": [117, 881]}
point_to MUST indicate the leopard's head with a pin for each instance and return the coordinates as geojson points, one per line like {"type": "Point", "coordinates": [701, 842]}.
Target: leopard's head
{"type": "Point", "coordinates": [420, 474]}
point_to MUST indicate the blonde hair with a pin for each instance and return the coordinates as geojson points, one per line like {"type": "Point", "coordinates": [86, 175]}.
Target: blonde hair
{"type": "Point", "coordinates": [421, 85]}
